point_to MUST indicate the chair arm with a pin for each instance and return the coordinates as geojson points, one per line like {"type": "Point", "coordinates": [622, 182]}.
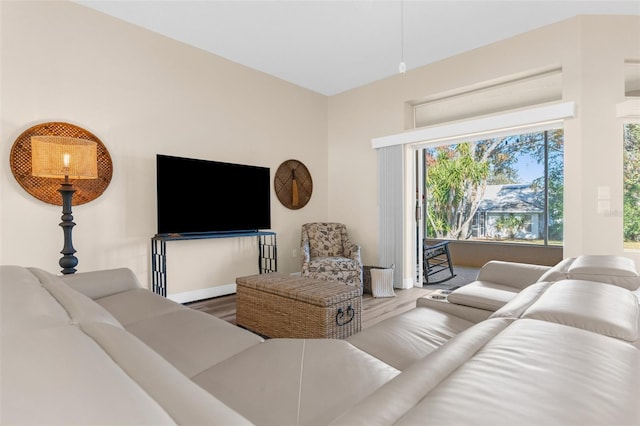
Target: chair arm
{"type": "Point", "coordinates": [511, 274]}
{"type": "Point", "coordinates": [352, 251]}
{"type": "Point", "coordinates": [305, 251]}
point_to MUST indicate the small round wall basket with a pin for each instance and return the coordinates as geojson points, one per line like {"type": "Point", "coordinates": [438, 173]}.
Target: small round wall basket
{"type": "Point", "coordinates": [46, 189]}
{"type": "Point", "coordinates": [293, 184]}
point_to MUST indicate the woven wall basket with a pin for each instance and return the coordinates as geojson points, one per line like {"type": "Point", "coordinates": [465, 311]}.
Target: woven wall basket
{"type": "Point", "coordinates": [293, 184]}
{"type": "Point", "coordinates": [46, 189]}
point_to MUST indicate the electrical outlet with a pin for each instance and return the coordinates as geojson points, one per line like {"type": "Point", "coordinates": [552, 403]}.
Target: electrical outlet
{"type": "Point", "coordinates": [294, 253]}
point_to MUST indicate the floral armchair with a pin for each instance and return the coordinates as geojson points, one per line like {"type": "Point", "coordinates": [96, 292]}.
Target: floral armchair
{"type": "Point", "coordinates": [328, 254]}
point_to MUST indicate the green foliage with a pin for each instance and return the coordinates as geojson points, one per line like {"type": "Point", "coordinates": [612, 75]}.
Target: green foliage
{"type": "Point", "coordinates": [457, 176]}
{"type": "Point", "coordinates": [456, 182]}
{"type": "Point", "coordinates": [631, 182]}
{"type": "Point", "coordinates": [510, 224]}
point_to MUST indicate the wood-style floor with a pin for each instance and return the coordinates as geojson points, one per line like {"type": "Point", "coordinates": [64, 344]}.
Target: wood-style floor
{"type": "Point", "coordinates": [374, 310]}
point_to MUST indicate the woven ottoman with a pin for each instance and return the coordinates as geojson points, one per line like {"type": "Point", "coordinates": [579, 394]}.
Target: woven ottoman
{"type": "Point", "coordinates": [283, 305]}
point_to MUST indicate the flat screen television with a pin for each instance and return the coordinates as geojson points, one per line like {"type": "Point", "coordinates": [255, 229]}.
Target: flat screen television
{"type": "Point", "coordinates": [205, 197]}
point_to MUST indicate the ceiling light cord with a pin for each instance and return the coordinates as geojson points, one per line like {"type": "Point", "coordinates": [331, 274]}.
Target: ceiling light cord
{"type": "Point", "coordinates": [402, 68]}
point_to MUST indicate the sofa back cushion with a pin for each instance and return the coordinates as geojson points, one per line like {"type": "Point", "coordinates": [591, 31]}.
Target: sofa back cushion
{"type": "Point", "coordinates": [52, 372]}
{"type": "Point", "coordinates": [597, 307]}
{"type": "Point", "coordinates": [531, 372]}
{"type": "Point", "coordinates": [609, 269]}
{"type": "Point", "coordinates": [102, 283]}
{"type": "Point", "coordinates": [25, 304]}
{"type": "Point", "coordinates": [521, 301]}
{"type": "Point", "coordinates": [617, 270]}
{"type": "Point", "coordinates": [181, 398]}
{"type": "Point", "coordinates": [559, 272]}
{"type": "Point", "coordinates": [79, 307]}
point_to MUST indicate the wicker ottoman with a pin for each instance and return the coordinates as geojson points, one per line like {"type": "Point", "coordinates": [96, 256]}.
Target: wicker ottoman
{"type": "Point", "coordinates": [283, 305]}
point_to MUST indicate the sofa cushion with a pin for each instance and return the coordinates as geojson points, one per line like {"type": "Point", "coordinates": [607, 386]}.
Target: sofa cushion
{"type": "Point", "coordinates": [593, 306]}
{"type": "Point", "coordinates": [483, 295]}
{"type": "Point", "coordinates": [295, 381]}
{"type": "Point", "coordinates": [80, 307]}
{"type": "Point", "coordinates": [97, 284]}
{"type": "Point", "coordinates": [531, 373]}
{"type": "Point", "coordinates": [405, 338]}
{"type": "Point", "coordinates": [52, 372]}
{"type": "Point", "coordinates": [558, 272]}
{"type": "Point", "coordinates": [183, 400]}
{"type": "Point", "coordinates": [521, 302]}
{"type": "Point", "coordinates": [192, 340]}
{"type": "Point", "coordinates": [396, 398]}
{"type": "Point", "coordinates": [25, 304]}
{"type": "Point", "coordinates": [135, 305]}
{"type": "Point", "coordinates": [468, 313]}
{"type": "Point", "coordinates": [617, 270]}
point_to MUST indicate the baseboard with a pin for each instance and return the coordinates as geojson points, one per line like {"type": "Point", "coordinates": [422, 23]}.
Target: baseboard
{"type": "Point", "coordinates": [201, 294]}
{"type": "Point", "coordinates": [406, 283]}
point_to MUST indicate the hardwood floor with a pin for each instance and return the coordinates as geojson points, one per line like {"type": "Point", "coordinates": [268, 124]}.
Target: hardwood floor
{"type": "Point", "coordinates": [373, 310]}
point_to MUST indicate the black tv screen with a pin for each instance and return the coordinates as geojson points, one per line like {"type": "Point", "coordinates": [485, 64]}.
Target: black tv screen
{"type": "Point", "coordinates": [200, 196]}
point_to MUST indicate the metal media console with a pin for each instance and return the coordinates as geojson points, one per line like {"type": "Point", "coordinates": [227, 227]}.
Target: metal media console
{"type": "Point", "coordinates": [267, 253]}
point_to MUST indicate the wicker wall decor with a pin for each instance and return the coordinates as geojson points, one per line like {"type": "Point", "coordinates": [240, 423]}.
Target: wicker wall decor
{"type": "Point", "coordinates": [46, 189]}
{"type": "Point", "coordinates": [293, 184]}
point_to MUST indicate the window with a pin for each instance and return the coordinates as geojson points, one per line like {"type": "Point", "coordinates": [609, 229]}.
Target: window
{"type": "Point", "coordinates": [631, 182]}
{"type": "Point", "coordinates": [504, 189]}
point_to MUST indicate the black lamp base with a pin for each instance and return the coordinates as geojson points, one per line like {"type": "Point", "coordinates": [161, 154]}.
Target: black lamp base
{"type": "Point", "coordinates": [68, 261]}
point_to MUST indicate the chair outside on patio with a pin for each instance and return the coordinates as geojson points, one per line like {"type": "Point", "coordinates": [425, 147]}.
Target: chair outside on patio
{"type": "Point", "coordinates": [328, 254]}
{"type": "Point", "coordinates": [437, 259]}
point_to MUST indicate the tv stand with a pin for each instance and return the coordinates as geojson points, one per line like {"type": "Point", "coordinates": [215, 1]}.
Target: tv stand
{"type": "Point", "coordinates": [267, 253]}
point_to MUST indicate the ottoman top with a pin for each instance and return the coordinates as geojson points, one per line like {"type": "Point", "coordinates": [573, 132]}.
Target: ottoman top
{"type": "Point", "coordinates": [316, 292]}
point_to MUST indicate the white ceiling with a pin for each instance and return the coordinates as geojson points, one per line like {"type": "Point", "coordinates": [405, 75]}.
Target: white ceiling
{"type": "Point", "coordinates": [330, 46]}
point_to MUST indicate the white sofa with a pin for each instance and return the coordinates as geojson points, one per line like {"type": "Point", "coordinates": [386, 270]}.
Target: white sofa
{"type": "Point", "coordinates": [498, 282]}
{"type": "Point", "coordinates": [96, 348]}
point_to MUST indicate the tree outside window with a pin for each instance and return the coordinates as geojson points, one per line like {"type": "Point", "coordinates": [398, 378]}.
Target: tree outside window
{"type": "Point", "coordinates": [631, 182]}
{"type": "Point", "coordinates": [506, 189]}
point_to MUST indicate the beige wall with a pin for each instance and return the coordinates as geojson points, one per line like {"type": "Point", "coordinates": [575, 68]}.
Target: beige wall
{"type": "Point", "coordinates": [143, 94]}
{"type": "Point", "coordinates": [591, 52]}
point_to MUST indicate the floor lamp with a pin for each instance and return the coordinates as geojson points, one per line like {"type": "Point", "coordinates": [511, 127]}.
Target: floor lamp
{"type": "Point", "coordinates": [62, 157]}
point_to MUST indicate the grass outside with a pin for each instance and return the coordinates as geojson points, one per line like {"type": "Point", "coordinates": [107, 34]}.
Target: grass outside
{"type": "Point", "coordinates": [538, 242]}
{"type": "Point", "coordinates": [628, 245]}
{"type": "Point", "coordinates": [632, 245]}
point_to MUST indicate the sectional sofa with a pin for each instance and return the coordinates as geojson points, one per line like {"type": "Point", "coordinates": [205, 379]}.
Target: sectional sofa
{"type": "Point", "coordinates": [97, 348]}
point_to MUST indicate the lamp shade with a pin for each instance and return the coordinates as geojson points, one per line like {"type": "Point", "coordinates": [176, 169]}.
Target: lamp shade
{"type": "Point", "coordinates": [60, 156]}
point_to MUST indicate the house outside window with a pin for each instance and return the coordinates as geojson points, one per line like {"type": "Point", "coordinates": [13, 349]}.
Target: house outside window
{"type": "Point", "coordinates": [504, 189]}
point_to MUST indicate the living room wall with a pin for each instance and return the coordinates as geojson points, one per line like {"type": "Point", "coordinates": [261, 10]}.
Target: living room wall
{"type": "Point", "coordinates": [143, 94]}
{"type": "Point", "coordinates": [591, 50]}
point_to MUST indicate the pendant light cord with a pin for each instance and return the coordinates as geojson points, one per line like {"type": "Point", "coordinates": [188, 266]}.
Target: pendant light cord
{"type": "Point", "coordinates": [402, 68]}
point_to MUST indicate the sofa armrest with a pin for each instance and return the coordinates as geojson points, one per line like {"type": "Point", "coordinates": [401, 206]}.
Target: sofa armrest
{"type": "Point", "coordinates": [468, 313]}
{"type": "Point", "coordinates": [511, 274]}
{"type": "Point", "coordinates": [97, 284]}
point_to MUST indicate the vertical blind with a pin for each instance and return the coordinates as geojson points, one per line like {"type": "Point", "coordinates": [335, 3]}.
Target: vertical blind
{"type": "Point", "coordinates": [390, 204]}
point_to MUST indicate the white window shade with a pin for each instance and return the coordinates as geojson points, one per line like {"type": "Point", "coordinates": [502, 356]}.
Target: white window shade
{"type": "Point", "coordinates": [632, 79]}
{"type": "Point", "coordinates": [503, 96]}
